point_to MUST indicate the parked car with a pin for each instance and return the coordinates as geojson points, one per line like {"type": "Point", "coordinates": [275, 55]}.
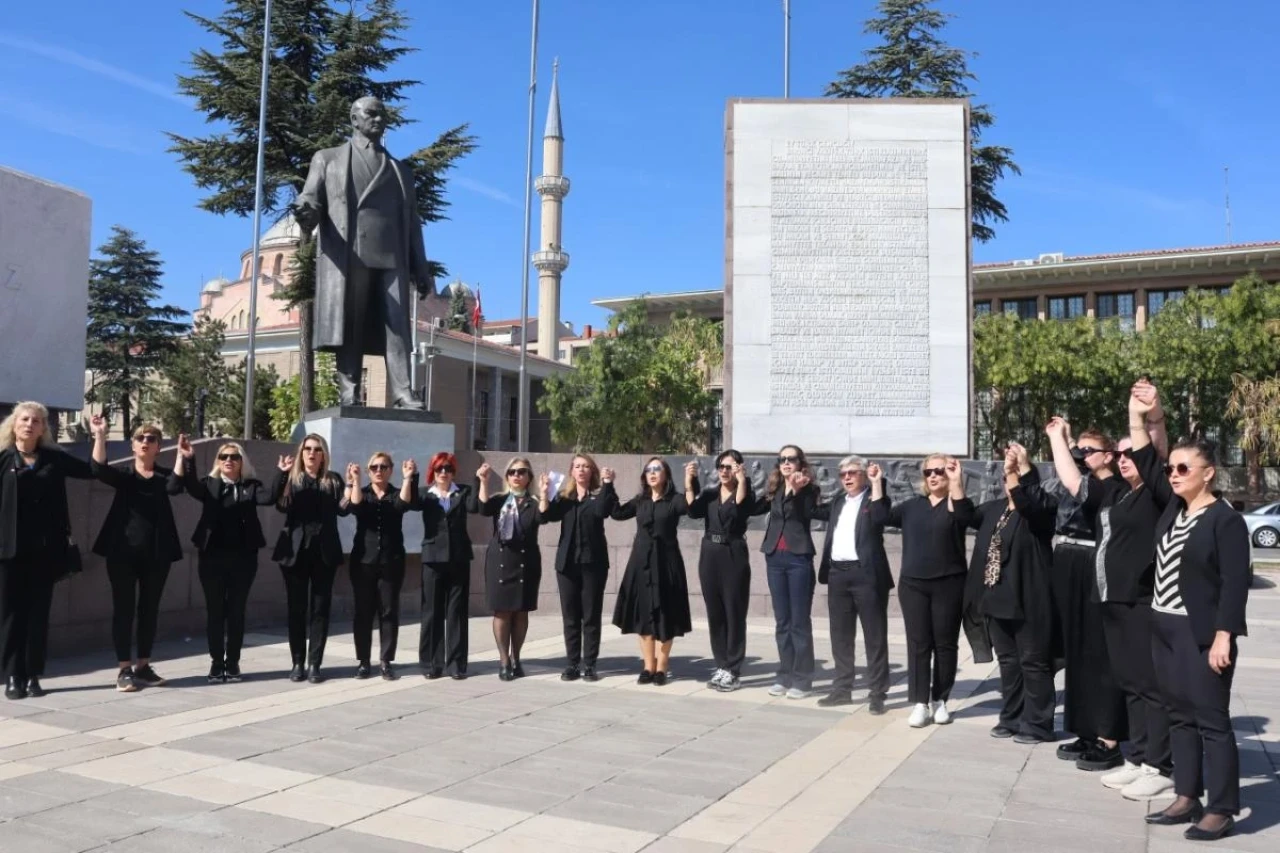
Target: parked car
{"type": "Point", "coordinates": [1264, 525]}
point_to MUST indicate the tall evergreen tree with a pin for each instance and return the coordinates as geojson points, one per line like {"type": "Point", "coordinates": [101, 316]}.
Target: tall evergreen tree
{"type": "Point", "coordinates": [129, 335]}
{"type": "Point", "coordinates": [325, 55]}
{"type": "Point", "coordinates": [197, 365]}
{"type": "Point", "coordinates": [459, 318]}
{"type": "Point", "coordinates": [914, 62]}
{"type": "Point", "coordinates": [226, 413]}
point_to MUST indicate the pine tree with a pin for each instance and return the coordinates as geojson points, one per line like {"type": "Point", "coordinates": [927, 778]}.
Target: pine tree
{"type": "Point", "coordinates": [226, 413]}
{"type": "Point", "coordinates": [913, 62]}
{"type": "Point", "coordinates": [197, 365]}
{"type": "Point", "coordinates": [129, 335]}
{"type": "Point", "coordinates": [459, 317]}
{"type": "Point", "coordinates": [325, 55]}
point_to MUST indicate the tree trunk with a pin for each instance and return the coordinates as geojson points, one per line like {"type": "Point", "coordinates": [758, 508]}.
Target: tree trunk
{"type": "Point", "coordinates": [124, 414]}
{"type": "Point", "coordinates": [306, 362]}
{"type": "Point", "coordinates": [1253, 463]}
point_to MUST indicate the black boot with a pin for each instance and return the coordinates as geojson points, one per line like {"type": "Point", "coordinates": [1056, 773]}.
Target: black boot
{"type": "Point", "coordinates": [297, 674]}
{"type": "Point", "coordinates": [34, 690]}
{"type": "Point", "coordinates": [15, 688]}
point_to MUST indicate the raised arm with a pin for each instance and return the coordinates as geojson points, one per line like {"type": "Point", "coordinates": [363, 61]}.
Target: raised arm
{"type": "Point", "coordinates": [482, 478]}
{"type": "Point", "coordinates": [354, 495]}
{"type": "Point", "coordinates": [691, 484]}
{"type": "Point", "coordinates": [1064, 465]}
{"type": "Point", "coordinates": [1032, 501]}
{"type": "Point", "coordinates": [408, 471]}
{"type": "Point", "coordinates": [624, 511]}
{"type": "Point", "coordinates": [98, 463]}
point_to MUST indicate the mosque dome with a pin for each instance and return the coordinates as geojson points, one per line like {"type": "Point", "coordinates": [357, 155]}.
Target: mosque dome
{"type": "Point", "coordinates": [214, 285]}
{"type": "Point", "coordinates": [284, 233]}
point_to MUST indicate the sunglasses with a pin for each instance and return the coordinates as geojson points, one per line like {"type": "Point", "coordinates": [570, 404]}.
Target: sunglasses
{"type": "Point", "coordinates": [313, 450]}
{"type": "Point", "coordinates": [935, 472]}
{"type": "Point", "coordinates": [444, 469]}
{"type": "Point", "coordinates": [844, 475]}
{"type": "Point", "coordinates": [229, 457]}
{"type": "Point", "coordinates": [793, 460]}
{"type": "Point", "coordinates": [1182, 469]}
{"type": "Point", "coordinates": [518, 472]}
{"type": "Point", "coordinates": [724, 467]}
{"type": "Point", "coordinates": [1089, 451]}
{"type": "Point", "coordinates": [148, 438]}
{"type": "Point", "coordinates": [1127, 453]}
{"type": "Point", "coordinates": [653, 469]}
{"type": "Point", "coordinates": [379, 466]}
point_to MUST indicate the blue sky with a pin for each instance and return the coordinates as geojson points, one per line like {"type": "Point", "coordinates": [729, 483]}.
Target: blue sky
{"type": "Point", "coordinates": [1122, 116]}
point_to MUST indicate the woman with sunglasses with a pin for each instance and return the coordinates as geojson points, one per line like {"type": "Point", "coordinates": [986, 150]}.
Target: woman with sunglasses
{"type": "Point", "coordinates": [227, 539]}
{"type": "Point", "coordinates": [790, 499]}
{"type": "Point", "coordinates": [446, 570]}
{"type": "Point", "coordinates": [653, 595]}
{"type": "Point", "coordinates": [1202, 576]}
{"type": "Point", "coordinates": [512, 560]}
{"type": "Point", "coordinates": [1124, 527]}
{"type": "Point", "coordinates": [309, 552]}
{"type": "Point", "coordinates": [724, 563]}
{"type": "Point", "coordinates": [582, 558]}
{"type": "Point", "coordinates": [377, 558]}
{"type": "Point", "coordinates": [35, 528]}
{"type": "Point", "coordinates": [931, 585]}
{"type": "Point", "coordinates": [139, 540]}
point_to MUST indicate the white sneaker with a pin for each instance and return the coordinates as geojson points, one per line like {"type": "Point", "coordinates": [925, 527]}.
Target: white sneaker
{"type": "Point", "coordinates": [730, 683]}
{"type": "Point", "coordinates": [778, 690]}
{"type": "Point", "coordinates": [797, 693]}
{"type": "Point", "coordinates": [1148, 786]}
{"type": "Point", "coordinates": [920, 716]}
{"type": "Point", "coordinates": [1117, 779]}
{"type": "Point", "coordinates": [717, 679]}
{"type": "Point", "coordinates": [941, 715]}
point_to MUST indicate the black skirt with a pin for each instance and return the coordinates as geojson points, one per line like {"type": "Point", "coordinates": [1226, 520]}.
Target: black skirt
{"type": "Point", "coordinates": [653, 597]}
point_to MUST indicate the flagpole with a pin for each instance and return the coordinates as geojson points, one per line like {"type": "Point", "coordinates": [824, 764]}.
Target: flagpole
{"type": "Point", "coordinates": [522, 416]}
{"type": "Point", "coordinates": [786, 48]}
{"type": "Point", "coordinates": [257, 224]}
{"type": "Point", "coordinates": [475, 343]}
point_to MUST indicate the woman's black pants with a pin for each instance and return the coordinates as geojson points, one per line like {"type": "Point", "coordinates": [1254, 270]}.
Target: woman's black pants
{"type": "Point", "coordinates": [581, 588]}
{"type": "Point", "coordinates": [26, 594]}
{"type": "Point", "coordinates": [1128, 632]}
{"type": "Point", "coordinates": [136, 588]}
{"type": "Point", "coordinates": [308, 586]}
{"type": "Point", "coordinates": [226, 578]}
{"type": "Point", "coordinates": [376, 589]}
{"type": "Point", "coordinates": [932, 611]}
{"type": "Point", "coordinates": [1024, 651]}
{"type": "Point", "coordinates": [724, 573]}
{"type": "Point", "coordinates": [446, 595]}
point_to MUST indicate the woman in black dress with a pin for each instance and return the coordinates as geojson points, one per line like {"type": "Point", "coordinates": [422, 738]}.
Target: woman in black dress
{"type": "Point", "coordinates": [1009, 584]}
{"type": "Point", "coordinates": [139, 540]}
{"type": "Point", "coordinates": [724, 564]}
{"type": "Point", "coordinates": [446, 570]}
{"type": "Point", "coordinates": [35, 529]}
{"type": "Point", "coordinates": [582, 559]}
{"type": "Point", "coordinates": [653, 597]}
{"type": "Point", "coordinates": [377, 558]}
{"type": "Point", "coordinates": [309, 552]}
{"type": "Point", "coordinates": [512, 560]}
{"type": "Point", "coordinates": [227, 539]}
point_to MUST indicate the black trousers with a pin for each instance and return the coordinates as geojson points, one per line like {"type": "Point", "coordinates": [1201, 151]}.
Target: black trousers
{"type": "Point", "coordinates": [308, 587]}
{"type": "Point", "coordinates": [136, 588]}
{"type": "Point", "coordinates": [581, 588]}
{"type": "Point", "coordinates": [226, 579]}
{"type": "Point", "coordinates": [376, 590]}
{"type": "Point", "coordinates": [1198, 702]}
{"type": "Point", "coordinates": [1024, 652]}
{"type": "Point", "coordinates": [1128, 632]}
{"type": "Point", "coordinates": [724, 573]}
{"type": "Point", "coordinates": [26, 594]}
{"type": "Point", "coordinates": [932, 611]}
{"type": "Point", "coordinates": [1092, 704]}
{"type": "Point", "coordinates": [377, 293]}
{"type": "Point", "coordinates": [853, 596]}
{"type": "Point", "coordinates": [446, 594]}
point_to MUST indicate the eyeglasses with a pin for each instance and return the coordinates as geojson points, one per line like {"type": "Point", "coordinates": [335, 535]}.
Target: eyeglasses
{"type": "Point", "coordinates": [379, 466]}
{"type": "Point", "coordinates": [1127, 453]}
{"type": "Point", "coordinates": [653, 469]}
{"type": "Point", "coordinates": [518, 472]}
{"type": "Point", "coordinates": [844, 475]}
{"type": "Point", "coordinates": [147, 438]}
{"type": "Point", "coordinates": [784, 460]}
{"type": "Point", "coordinates": [313, 449]}
{"type": "Point", "coordinates": [444, 469]}
{"type": "Point", "coordinates": [724, 467]}
{"type": "Point", "coordinates": [1089, 451]}
{"type": "Point", "coordinates": [935, 472]}
{"type": "Point", "coordinates": [1182, 469]}
{"type": "Point", "coordinates": [229, 457]}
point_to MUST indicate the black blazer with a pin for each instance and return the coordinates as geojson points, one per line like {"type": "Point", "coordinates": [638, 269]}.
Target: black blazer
{"type": "Point", "coordinates": [324, 507]}
{"type": "Point", "coordinates": [56, 465]}
{"type": "Point", "coordinates": [444, 534]}
{"type": "Point", "coordinates": [1214, 574]}
{"type": "Point", "coordinates": [220, 508]}
{"type": "Point", "coordinates": [112, 541]}
{"type": "Point", "coordinates": [789, 516]}
{"type": "Point", "coordinates": [870, 537]}
{"type": "Point", "coordinates": [521, 557]}
{"type": "Point", "coordinates": [592, 512]}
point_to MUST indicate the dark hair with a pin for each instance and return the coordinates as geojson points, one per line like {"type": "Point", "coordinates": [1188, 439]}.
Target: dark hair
{"type": "Point", "coordinates": [775, 476]}
{"type": "Point", "coordinates": [666, 471]}
{"type": "Point", "coordinates": [732, 454]}
{"type": "Point", "coordinates": [1202, 447]}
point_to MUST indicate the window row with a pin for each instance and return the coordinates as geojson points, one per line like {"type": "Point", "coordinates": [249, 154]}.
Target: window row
{"type": "Point", "coordinates": [1121, 305]}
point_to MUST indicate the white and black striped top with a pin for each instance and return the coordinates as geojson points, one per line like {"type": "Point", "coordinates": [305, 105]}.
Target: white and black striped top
{"type": "Point", "coordinates": [1168, 594]}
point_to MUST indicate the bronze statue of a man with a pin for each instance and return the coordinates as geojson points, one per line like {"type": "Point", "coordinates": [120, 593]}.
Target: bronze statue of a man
{"type": "Point", "coordinates": [369, 253]}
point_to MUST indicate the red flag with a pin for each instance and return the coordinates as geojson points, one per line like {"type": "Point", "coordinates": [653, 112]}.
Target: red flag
{"type": "Point", "coordinates": [475, 314]}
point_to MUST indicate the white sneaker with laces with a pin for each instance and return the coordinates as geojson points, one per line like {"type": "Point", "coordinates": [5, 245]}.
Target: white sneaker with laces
{"type": "Point", "coordinates": [941, 715]}
{"type": "Point", "coordinates": [797, 693]}
{"type": "Point", "coordinates": [920, 716]}
{"type": "Point", "coordinates": [730, 683]}
{"type": "Point", "coordinates": [778, 690]}
{"type": "Point", "coordinates": [717, 679]}
{"type": "Point", "coordinates": [1117, 779]}
{"type": "Point", "coordinates": [1150, 785]}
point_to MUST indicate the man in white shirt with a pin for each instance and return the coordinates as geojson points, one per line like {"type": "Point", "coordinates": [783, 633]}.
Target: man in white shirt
{"type": "Point", "coordinates": [856, 570]}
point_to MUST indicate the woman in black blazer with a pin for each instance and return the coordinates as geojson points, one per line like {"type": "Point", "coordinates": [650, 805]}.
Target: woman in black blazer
{"type": "Point", "coordinates": [1201, 591]}
{"type": "Point", "coordinates": [1009, 583]}
{"type": "Point", "coordinates": [790, 499]}
{"type": "Point", "coordinates": [309, 552]}
{"type": "Point", "coordinates": [228, 538]}
{"type": "Point", "coordinates": [35, 529]}
{"type": "Point", "coordinates": [653, 595]}
{"type": "Point", "coordinates": [512, 560]}
{"type": "Point", "coordinates": [582, 559]}
{"type": "Point", "coordinates": [139, 540]}
{"type": "Point", "coordinates": [446, 569]}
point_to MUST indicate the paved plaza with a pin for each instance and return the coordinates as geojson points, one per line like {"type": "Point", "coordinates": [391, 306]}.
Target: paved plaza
{"type": "Point", "coordinates": [539, 765]}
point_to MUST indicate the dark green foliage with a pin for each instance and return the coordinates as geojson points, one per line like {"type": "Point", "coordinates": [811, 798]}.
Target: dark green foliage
{"type": "Point", "coordinates": [196, 364]}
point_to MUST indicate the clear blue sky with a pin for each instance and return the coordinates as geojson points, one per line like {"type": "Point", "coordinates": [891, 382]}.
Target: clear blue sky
{"type": "Point", "coordinates": [1122, 116]}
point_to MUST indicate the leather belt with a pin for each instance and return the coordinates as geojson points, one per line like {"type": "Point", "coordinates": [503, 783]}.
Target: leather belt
{"type": "Point", "coordinates": [719, 539]}
{"type": "Point", "coordinates": [845, 565]}
{"type": "Point", "coordinates": [1071, 540]}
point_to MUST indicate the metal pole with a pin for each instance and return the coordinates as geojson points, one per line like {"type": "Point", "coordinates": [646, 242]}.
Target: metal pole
{"type": "Point", "coordinates": [257, 223]}
{"type": "Point", "coordinates": [431, 363]}
{"type": "Point", "coordinates": [786, 48]}
{"type": "Point", "coordinates": [522, 417]}
{"type": "Point", "coordinates": [413, 348]}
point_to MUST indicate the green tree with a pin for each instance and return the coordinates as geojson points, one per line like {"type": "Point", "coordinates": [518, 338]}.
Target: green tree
{"type": "Point", "coordinates": [226, 414]}
{"type": "Point", "coordinates": [914, 62]}
{"type": "Point", "coordinates": [641, 389]}
{"type": "Point", "coordinates": [325, 55]}
{"type": "Point", "coordinates": [459, 318]}
{"type": "Point", "coordinates": [129, 334]}
{"type": "Point", "coordinates": [196, 365]}
{"type": "Point", "coordinates": [284, 397]}
{"type": "Point", "coordinates": [1254, 407]}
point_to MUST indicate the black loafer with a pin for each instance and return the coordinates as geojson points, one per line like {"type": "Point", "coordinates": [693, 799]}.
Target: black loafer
{"type": "Point", "coordinates": [1027, 738]}
{"type": "Point", "coordinates": [297, 674]}
{"type": "Point", "coordinates": [590, 674]}
{"type": "Point", "coordinates": [1195, 833]}
{"type": "Point", "coordinates": [505, 674]}
{"type": "Point", "coordinates": [362, 671]}
{"type": "Point", "coordinates": [570, 674]}
{"type": "Point", "coordinates": [876, 706]}
{"type": "Point", "coordinates": [388, 672]}
{"type": "Point", "coordinates": [517, 670]}
{"type": "Point", "coordinates": [1002, 732]}
{"type": "Point", "coordinates": [1100, 757]}
{"type": "Point", "coordinates": [1073, 750]}
{"type": "Point", "coordinates": [646, 677]}
{"type": "Point", "coordinates": [835, 700]}
{"type": "Point", "coordinates": [432, 674]}
{"type": "Point", "coordinates": [459, 675]}
{"type": "Point", "coordinates": [15, 688]}
{"type": "Point", "coordinates": [660, 678]}
{"type": "Point", "coordinates": [34, 690]}
{"type": "Point", "coordinates": [1191, 815]}
{"type": "Point", "coordinates": [314, 676]}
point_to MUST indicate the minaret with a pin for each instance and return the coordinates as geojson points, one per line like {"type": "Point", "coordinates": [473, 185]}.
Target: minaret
{"type": "Point", "coordinates": [551, 260]}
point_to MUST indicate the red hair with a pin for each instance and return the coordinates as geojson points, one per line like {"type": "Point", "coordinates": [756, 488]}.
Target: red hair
{"type": "Point", "coordinates": [442, 458]}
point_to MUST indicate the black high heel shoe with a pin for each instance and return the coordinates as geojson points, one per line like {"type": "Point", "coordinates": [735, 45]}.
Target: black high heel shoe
{"type": "Point", "coordinates": [505, 673]}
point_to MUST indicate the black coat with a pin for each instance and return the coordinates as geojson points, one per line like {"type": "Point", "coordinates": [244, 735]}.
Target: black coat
{"type": "Point", "coordinates": [870, 538]}
{"type": "Point", "coordinates": [309, 506]}
{"type": "Point", "coordinates": [590, 512]}
{"type": "Point", "coordinates": [1024, 590]}
{"type": "Point", "coordinates": [444, 534]}
{"type": "Point", "coordinates": [221, 509]}
{"type": "Point", "coordinates": [113, 541]}
{"type": "Point", "coordinates": [512, 569]}
{"type": "Point", "coordinates": [789, 517]}
{"type": "Point", "coordinates": [653, 596]}
{"type": "Point", "coordinates": [379, 527]}
{"type": "Point", "coordinates": [56, 466]}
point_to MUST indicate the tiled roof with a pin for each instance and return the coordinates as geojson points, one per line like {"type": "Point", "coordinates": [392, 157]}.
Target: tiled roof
{"type": "Point", "coordinates": [1117, 256]}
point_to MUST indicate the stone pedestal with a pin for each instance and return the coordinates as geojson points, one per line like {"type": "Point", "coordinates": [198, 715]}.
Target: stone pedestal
{"type": "Point", "coordinates": [355, 433]}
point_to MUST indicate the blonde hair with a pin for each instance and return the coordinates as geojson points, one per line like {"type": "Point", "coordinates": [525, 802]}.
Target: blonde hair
{"type": "Point", "coordinates": [924, 481]}
{"type": "Point", "coordinates": [148, 429]}
{"type": "Point", "coordinates": [506, 486]}
{"type": "Point", "coordinates": [9, 426]}
{"type": "Point", "coordinates": [298, 470]}
{"type": "Point", "coordinates": [246, 467]}
{"type": "Point", "coordinates": [381, 454]}
{"type": "Point", "coordinates": [570, 486]}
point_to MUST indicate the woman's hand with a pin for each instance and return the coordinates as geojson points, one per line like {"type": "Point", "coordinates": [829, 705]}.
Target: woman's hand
{"type": "Point", "coordinates": [353, 474]}
{"type": "Point", "coordinates": [799, 480]}
{"type": "Point", "coordinates": [955, 474]}
{"type": "Point", "coordinates": [690, 472]}
{"type": "Point", "coordinates": [98, 426]}
{"type": "Point", "coordinates": [285, 463]}
{"type": "Point", "coordinates": [1058, 427]}
{"type": "Point", "coordinates": [1220, 652]}
{"type": "Point", "coordinates": [874, 474]}
{"type": "Point", "coordinates": [482, 473]}
{"type": "Point", "coordinates": [1142, 398]}
{"type": "Point", "coordinates": [606, 475]}
{"type": "Point", "coordinates": [1010, 461]}
{"type": "Point", "coordinates": [185, 448]}
{"type": "Point", "coordinates": [544, 486]}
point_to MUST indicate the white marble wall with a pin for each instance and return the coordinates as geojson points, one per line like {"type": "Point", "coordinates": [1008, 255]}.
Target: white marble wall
{"type": "Point", "coordinates": [849, 277]}
{"type": "Point", "coordinates": [44, 291]}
